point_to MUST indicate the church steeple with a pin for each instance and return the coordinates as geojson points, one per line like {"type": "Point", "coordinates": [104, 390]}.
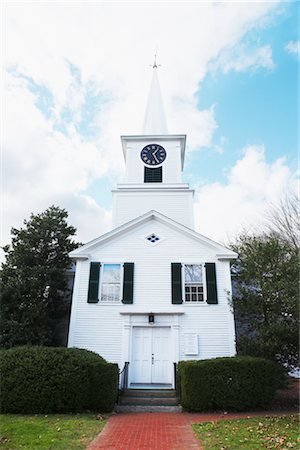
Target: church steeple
{"type": "Point", "coordinates": [153, 169]}
{"type": "Point", "coordinates": [155, 120]}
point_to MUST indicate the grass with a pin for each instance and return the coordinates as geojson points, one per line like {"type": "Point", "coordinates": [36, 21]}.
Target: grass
{"type": "Point", "coordinates": [49, 432]}
{"type": "Point", "coordinates": [276, 433]}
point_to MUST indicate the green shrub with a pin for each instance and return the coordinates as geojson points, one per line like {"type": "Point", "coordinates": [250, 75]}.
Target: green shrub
{"type": "Point", "coordinates": [236, 383]}
{"type": "Point", "coordinates": [56, 380]}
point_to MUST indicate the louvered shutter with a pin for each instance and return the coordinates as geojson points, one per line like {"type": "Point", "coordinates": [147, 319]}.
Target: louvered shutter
{"type": "Point", "coordinates": [93, 296]}
{"type": "Point", "coordinates": [211, 283]}
{"type": "Point", "coordinates": [128, 283]}
{"type": "Point", "coordinates": [153, 175]}
{"type": "Point", "coordinates": [176, 283]}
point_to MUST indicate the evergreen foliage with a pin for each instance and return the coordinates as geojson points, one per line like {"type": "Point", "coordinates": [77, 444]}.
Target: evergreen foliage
{"type": "Point", "coordinates": [34, 281]}
{"type": "Point", "coordinates": [266, 298]}
{"type": "Point", "coordinates": [237, 383]}
{"type": "Point", "coordinates": [56, 380]}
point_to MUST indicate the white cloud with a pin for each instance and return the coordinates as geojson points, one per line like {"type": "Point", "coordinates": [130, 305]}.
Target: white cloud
{"type": "Point", "coordinates": [57, 53]}
{"type": "Point", "coordinates": [223, 210]}
{"type": "Point", "coordinates": [241, 58]}
{"type": "Point", "coordinates": [198, 125]}
{"type": "Point", "coordinates": [293, 47]}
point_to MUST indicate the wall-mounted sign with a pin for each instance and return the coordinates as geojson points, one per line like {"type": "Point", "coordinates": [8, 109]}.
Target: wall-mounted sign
{"type": "Point", "coordinates": [191, 344]}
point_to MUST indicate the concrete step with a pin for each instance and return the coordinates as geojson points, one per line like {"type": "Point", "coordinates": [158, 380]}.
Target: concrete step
{"type": "Point", "coordinates": [149, 398]}
{"type": "Point", "coordinates": [169, 393]}
{"type": "Point", "coordinates": [148, 408]}
{"type": "Point", "coordinates": [150, 401]}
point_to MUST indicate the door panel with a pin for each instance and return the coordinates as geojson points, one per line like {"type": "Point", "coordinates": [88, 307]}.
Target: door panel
{"type": "Point", "coordinates": [141, 352]}
{"type": "Point", "coordinates": [161, 355]}
{"type": "Point", "coordinates": [151, 350]}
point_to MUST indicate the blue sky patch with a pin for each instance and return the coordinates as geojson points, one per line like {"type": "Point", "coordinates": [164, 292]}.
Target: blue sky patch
{"type": "Point", "coordinates": [253, 107]}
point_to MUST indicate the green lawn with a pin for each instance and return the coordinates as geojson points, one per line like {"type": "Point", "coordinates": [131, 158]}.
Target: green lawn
{"type": "Point", "coordinates": [280, 433]}
{"type": "Point", "coordinates": [45, 432]}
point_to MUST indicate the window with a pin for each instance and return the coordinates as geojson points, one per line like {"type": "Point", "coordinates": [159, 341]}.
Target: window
{"type": "Point", "coordinates": [111, 282]}
{"type": "Point", "coordinates": [153, 175]}
{"type": "Point", "coordinates": [153, 238]}
{"type": "Point", "coordinates": [193, 283]}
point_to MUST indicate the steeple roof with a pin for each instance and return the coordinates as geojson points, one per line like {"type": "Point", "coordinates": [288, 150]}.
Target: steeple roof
{"type": "Point", "coordinates": [155, 120]}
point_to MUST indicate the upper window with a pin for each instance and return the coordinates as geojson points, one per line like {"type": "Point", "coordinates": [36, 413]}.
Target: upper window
{"type": "Point", "coordinates": [153, 174]}
{"type": "Point", "coordinates": [111, 282]}
{"type": "Point", "coordinates": [153, 238]}
{"type": "Point", "coordinates": [193, 283]}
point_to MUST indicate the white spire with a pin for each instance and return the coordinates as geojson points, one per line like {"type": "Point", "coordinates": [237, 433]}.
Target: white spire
{"type": "Point", "coordinates": [155, 120]}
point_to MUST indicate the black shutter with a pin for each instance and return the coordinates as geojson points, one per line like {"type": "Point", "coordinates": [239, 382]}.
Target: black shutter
{"type": "Point", "coordinates": [94, 282]}
{"type": "Point", "coordinates": [176, 283]}
{"type": "Point", "coordinates": [128, 283]}
{"type": "Point", "coordinates": [211, 283]}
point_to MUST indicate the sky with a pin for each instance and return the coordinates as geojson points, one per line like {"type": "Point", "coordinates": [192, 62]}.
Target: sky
{"type": "Point", "coordinates": [76, 76]}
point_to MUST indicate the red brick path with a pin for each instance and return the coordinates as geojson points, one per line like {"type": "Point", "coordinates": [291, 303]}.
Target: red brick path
{"type": "Point", "coordinates": [155, 431]}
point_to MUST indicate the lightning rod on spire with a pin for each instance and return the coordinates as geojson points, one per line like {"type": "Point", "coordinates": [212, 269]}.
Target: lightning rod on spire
{"type": "Point", "coordinates": [155, 65]}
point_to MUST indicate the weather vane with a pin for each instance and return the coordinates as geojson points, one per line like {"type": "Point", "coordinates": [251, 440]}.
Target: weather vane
{"type": "Point", "coordinates": [155, 65]}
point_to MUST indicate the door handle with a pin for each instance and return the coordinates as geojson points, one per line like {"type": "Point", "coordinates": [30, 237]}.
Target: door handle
{"type": "Point", "coordinates": [152, 358]}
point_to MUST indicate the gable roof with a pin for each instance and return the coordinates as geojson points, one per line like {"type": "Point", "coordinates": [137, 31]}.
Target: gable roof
{"type": "Point", "coordinates": [83, 252]}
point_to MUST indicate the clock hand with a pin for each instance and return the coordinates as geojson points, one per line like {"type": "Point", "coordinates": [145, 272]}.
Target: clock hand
{"type": "Point", "coordinates": [154, 156]}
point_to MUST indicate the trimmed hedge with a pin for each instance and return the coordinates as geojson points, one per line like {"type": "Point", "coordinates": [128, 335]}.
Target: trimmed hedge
{"type": "Point", "coordinates": [234, 383]}
{"type": "Point", "coordinates": [56, 380]}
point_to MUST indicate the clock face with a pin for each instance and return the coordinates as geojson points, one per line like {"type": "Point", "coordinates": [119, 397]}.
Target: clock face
{"type": "Point", "coordinates": [153, 154]}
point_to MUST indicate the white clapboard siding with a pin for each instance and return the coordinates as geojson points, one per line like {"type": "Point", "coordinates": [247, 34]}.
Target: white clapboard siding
{"type": "Point", "coordinates": [176, 205]}
{"type": "Point", "coordinates": [100, 327]}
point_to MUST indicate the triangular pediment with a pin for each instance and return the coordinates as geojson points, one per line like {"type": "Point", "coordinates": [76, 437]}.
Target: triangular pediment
{"type": "Point", "coordinates": [85, 250]}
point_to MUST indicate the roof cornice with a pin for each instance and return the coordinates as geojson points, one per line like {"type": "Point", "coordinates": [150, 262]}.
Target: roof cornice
{"type": "Point", "coordinates": [83, 252]}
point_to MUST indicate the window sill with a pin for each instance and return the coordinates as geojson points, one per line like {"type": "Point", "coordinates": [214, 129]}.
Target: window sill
{"type": "Point", "coordinates": [195, 303]}
{"type": "Point", "coordinates": [110, 303]}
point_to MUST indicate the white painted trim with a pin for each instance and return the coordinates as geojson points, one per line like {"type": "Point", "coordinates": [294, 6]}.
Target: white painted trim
{"type": "Point", "coordinates": [204, 302]}
{"type": "Point", "coordinates": [230, 315]}
{"type": "Point", "coordinates": [147, 313]}
{"type": "Point", "coordinates": [128, 323]}
{"type": "Point", "coordinates": [156, 138]}
{"type": "Point", "coordinates": [154, 326]}
{"type": "Point", "coordinates": [151, 215]}
{"type": "Point", "coordinates": [225, 257]}
{"type": "Point", "coordinates": [149, 187]}
{"type": "Point", "coordinates": [103, 263]}
{"type": "Point", "coordinates": [74, 304]}
{"type": "Point", "coordinates": [82, 257]}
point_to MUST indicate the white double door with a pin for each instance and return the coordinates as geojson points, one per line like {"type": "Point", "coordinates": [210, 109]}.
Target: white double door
{"type": "Point", "coordinates": [151, 355]}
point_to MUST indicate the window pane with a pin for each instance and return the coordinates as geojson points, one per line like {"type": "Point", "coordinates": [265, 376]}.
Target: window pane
{"type": "Point", "coordinates": [110, 292]}
{"type": "Point", "coordinates": [111, 273]}
{"type": "Point", "coordinates": [193, 273]}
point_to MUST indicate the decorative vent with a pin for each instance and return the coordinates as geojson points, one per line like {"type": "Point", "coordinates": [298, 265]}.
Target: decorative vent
{"type": "Point", "coordinates": [153, 238]}
{"type": "Point", "coordinates": [153, 175]}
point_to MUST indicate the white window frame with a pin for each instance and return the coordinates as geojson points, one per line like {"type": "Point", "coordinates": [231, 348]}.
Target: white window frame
{"type": "Point", "coordinates": [108, 263]}
{"type": "Point", "coordinates": [197, 302]}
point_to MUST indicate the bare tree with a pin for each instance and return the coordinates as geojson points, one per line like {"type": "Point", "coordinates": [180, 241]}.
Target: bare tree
{"type": "Point", "coordinates": [284, 219]}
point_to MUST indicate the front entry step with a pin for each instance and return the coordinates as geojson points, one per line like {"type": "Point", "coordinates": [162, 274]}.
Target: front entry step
{"type": "Point", "coordinates": [149, 400]}
{"type": "Point", "coordinates": [149, 393]}
{"type": "Point", "coordinates": [148, 408]}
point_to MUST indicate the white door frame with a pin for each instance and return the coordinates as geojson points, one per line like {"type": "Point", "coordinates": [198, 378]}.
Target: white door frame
{"type": "Point", "coordinates": [150, 357]}
{"type": "Point", "coordinates": [139, 319]}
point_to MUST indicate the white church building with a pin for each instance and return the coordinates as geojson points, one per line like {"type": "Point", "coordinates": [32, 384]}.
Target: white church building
{"type": "Point", "coordinates": [153, 291]}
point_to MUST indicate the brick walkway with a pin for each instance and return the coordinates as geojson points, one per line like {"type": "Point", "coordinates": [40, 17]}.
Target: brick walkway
{"type": "Point", "coordinates": [155, 431]}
